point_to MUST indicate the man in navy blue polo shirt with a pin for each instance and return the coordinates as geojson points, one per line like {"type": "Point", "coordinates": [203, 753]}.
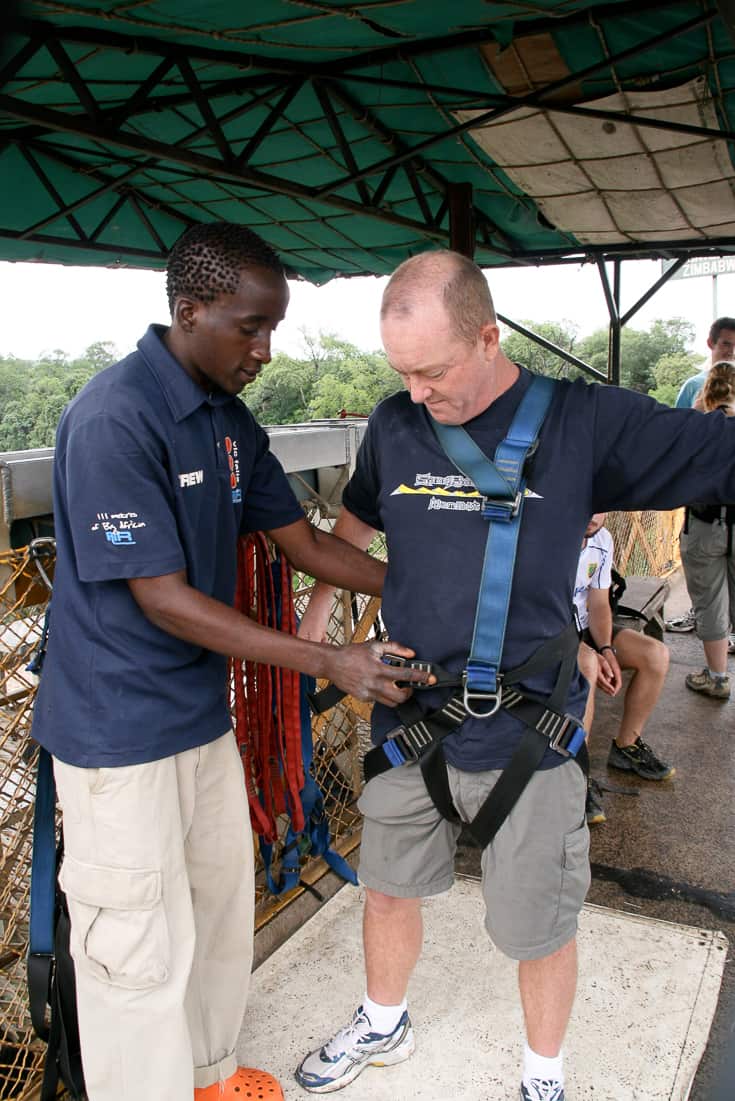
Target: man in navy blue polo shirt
{"type": "Point", "coordinates": [599, 449]}
{"type": "Point", "coordinates": [159, 468]}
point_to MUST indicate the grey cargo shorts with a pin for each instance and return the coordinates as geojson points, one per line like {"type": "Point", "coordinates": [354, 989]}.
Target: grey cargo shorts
{"type": "Point", "coordinates": [535, 873]}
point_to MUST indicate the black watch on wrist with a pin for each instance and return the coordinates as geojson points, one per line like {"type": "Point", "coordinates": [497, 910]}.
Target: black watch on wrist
{"type": "Point", "coordinates": [607, 646]}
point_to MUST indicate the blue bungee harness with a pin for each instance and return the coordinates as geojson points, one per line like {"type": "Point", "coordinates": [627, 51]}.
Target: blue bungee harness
{"type": "Point", "coordinates": [482, 689]}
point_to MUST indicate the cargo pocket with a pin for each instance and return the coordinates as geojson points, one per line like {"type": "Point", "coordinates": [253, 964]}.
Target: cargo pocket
{"type": "Point", "coordinates": [575, 878]}
{"type": "Point", "coordinates": [119, 928]}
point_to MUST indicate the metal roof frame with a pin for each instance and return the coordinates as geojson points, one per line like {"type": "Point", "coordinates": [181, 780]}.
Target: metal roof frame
{"type": "Point", "coordinates": [225, 105]}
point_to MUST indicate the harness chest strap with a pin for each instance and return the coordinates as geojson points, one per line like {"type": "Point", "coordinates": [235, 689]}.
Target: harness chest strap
{"type": "Point", "coordinates": [502, 484]}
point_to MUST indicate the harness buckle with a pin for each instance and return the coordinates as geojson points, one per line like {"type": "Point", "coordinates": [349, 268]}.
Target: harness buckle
{"type": "Point", "coordinates": [493, 508]}
{"type": "Point", "coordinates": [409, 663]}
{"type": "Point", "coordinates": [405, 744]}
{"type": "Point", "coordinates": [568, 737]}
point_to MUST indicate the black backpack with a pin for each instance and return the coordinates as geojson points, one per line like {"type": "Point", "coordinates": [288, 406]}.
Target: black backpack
{"type": "Point", "coordinates": [617, 590]}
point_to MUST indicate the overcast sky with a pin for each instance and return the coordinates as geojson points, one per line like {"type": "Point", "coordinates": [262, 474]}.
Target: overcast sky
{"type": "Point", "coordinates": [47, 306]}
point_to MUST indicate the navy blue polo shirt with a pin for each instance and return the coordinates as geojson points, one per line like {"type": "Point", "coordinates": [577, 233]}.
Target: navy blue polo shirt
{"type": "Point", "coordinates": [151, 475]}
{"type": "Point", "coordinates": [600, 448]}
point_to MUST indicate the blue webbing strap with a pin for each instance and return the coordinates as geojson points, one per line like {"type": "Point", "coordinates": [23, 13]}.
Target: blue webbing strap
{"type": "Point", "coordinates": [502, 484]}
{"type": "Point", "coordinates": [43, 894]}
{"type": "Point", "coordinates": [315, 838]}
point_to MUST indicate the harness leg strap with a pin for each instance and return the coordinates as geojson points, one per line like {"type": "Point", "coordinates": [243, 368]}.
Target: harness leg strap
{"type": "Point", "coordinates": [436, 778]}
{"type": "Point", "coordinates": [511, 785]}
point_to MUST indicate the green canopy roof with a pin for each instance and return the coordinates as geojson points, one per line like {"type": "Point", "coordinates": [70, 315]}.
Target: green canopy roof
{"type": "Point", "coordinates": [351, 135]}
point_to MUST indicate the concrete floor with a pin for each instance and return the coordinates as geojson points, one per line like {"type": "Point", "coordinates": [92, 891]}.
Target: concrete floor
{"type": "Point", "coordinates": [466, 1013]}
{"type": "Point", "coordinates": [665, 853]}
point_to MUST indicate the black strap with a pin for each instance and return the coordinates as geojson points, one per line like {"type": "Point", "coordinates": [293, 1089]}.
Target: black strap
{"type": "Point", "coordinates": [421, 736]}
{"type": "Point", "coordinates": [511, 785]}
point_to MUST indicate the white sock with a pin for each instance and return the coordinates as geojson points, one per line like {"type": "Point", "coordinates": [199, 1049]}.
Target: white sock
{"type": "Point", "coordinates": [383, 1018]}
{"type": "Point", "coordinates": [538, 1066]}
{"type": "Point", "coordinates": [715, 674]}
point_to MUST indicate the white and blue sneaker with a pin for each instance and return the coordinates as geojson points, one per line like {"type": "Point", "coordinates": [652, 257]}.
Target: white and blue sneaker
{"type": "Point", "coordinates": [351, 1050]}
{"type": "Point", "coordinates": [542, 1089]}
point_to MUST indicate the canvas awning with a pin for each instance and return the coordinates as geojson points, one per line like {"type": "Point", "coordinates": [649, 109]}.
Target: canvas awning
{"type": "Point", "coordinates": [352, 135]}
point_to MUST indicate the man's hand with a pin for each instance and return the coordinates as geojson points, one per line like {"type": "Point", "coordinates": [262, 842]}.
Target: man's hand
{"type": "Point", "coordinates": [359, 670]}
{"type": "Point", "coordinates": [609, 677]}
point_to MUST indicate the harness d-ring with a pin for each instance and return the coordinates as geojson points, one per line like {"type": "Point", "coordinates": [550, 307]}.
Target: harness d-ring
{"type": "Point", "coordinates": [496, 698]}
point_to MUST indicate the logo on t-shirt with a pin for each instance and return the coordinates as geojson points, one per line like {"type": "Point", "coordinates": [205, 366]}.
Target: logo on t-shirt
{"type": "Point", "coordinates": [118, 527]}
{"type": "Point", "coordinates": [448, 492]}
{"type": "Point", "coordinates": [234, 464]}
{"type": "Point", "coordinates": [191, 478]}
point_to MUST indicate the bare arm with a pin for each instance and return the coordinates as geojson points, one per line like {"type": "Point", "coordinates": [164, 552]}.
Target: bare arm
{"type": "Point", "coordinates": [340, 562]}
{"type": "Point", "coordinates": [314, 624]}
{"type": "Point", "coordinates": [609, 677]}
{"type": "Point", "coordinates": [182, 611]}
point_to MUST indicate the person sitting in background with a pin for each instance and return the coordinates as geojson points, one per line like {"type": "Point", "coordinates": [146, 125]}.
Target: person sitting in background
{"type": "Point", "coordinates": [603, 653]}
{"type": "Point", "coordinates": [707, 557]}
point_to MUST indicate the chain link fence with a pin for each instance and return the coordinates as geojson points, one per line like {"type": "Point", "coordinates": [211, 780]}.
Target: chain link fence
{"type": "Point", "coordinates": [646, 543]}
{"type": "Point", "coordinates": [23, 598]}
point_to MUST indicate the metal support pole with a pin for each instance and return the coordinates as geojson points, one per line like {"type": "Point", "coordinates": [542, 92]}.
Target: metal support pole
{"type": "Point", "coordinates": [612, 297]}
{"type": "Point", "coordinates": [616, 327]}
{"type": "Point", "coordinates": [461, 219]}
{"type": "Point", "coordinates": [554, 348]}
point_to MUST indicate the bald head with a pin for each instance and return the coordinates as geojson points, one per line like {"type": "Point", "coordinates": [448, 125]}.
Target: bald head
{"type": "Point", "coordinates": [449, 278]}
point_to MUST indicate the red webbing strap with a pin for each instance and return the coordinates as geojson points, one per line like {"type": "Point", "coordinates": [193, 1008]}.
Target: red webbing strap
{"type": "Point", "coordinates": [267, 716]}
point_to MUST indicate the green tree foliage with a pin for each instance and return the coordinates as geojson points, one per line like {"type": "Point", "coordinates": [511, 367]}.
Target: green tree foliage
{"type": "Point", "coordinates": [333, 375]}
{"type": "Point", "coordinates": [521, 349]}
{"type": "Point", "coordinates": [33, 395]}
{"type": "Point", "coordinates": [673, 370]}
{"type": "Point", "coordinates": [640, 350]}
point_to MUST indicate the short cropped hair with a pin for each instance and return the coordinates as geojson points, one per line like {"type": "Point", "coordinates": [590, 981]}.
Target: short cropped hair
{"type": "Point", "coordinates": [718, 391]}
{"type": "Point", "coordinates": [461, 284]}
{"type": "Point", "coordinates": [208, 258]}
{"type": "Point", "coordinates": [717, 327]}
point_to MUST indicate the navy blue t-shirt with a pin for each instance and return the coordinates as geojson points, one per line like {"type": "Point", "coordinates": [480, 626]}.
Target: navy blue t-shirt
{"type": "Point", "coordinates": [151, 475]}
{"type": "Point", "coordinates": [601, 448]}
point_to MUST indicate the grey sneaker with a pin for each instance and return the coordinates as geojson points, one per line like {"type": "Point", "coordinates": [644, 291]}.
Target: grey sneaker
{"type": "Point", "coordinates": [704, 682]}
{"type": "Point", "coordinates": [351, 1050]}
{"type": "Point", "coordinates": [683, 623]}
{"type": "Point", "coordinates": [542, 1089]}
{"type": "Point", "coordinates": [639, 758]}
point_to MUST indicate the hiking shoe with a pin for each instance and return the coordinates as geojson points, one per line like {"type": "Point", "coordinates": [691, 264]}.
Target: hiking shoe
{"type": "Point", "coordinates": [351, 1050]}
{"type": "Point", "coordinates": [593, 809]}
{"type": "Point", "coordinates": [542, 1089]}
{"type": "Point", "coordinates": [681, 624]}
{"type": "Point", "coordinates": [704, 682]}
{"type": "Point", "coordinates": [640, 758]}
{"type": "Point", "coordinates": [245, 1082]}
